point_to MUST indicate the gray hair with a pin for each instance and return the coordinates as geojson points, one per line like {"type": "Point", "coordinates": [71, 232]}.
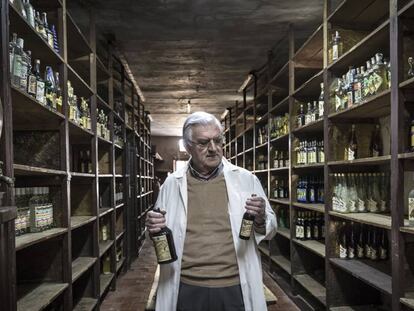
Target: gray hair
{"type": "Point", "coordinates": [198, 118]}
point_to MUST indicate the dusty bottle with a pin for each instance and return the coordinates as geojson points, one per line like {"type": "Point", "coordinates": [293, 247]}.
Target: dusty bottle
{"type": "Point", "coordinates": [246, 227]}
{"type": "Point", "coordinates": [164, 244]}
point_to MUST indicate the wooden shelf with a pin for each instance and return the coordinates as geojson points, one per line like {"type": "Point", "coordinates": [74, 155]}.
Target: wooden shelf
{"type": "Point", "coordinates": [316, 126]}
{"type": "Point", "coordinates": [310, 54]}
{"type": "Point", "coordinates": [365, 273]}
{"type": "Point", "coordinates": [26, 170]}
{"type": "Point", "coordinates": [80, 86]}
{"type": "Point", "coordinates": [104, 246]}
{"type": "Point", "coordinates": [79, 131]}
{"type": "Point", "coordinates": [87, 175]}
{"type": "Point", "coordinates": [86, 304]}
{"type": "Point", "coordinates": [279, 169]}
{"type": "Point", "coordinates": [407, 228]}
{"type": "Point", "coordinates": [282, 262]}
{"type": "Point", "coordinates": [407, 84]}
{"type": "Point", "coordinates": [261, 145]}
{"type": "Point", "coordinates": [407, 156]}
{"type": "Point", "coordinates": [312, 286]}
{"type": "Point", "coordinates": [311, 245]}
{"type": "Point", "coordinates": [355, 308]}
{"type": "Point", "coordinates": [280, 201]}
{"type": "Point", "coordinates": [372, 219]}
{"type": "Point", "coordinates": [311, 88]}
{"type": "Point", "coordinates": [320, 208]}
{"type": "Point", "coordinates": [119, 205]}
{"type": "Point", "coordinates": [119, 235]}
{"type": "Point", "coordinates": [38, 296]}
{"type": "Point", "coordinates": [408, 300]}
{"type": "Point", "coordinates": [105, 175]}
{"type": "Point", "coordinates": [120, 264]}
{"type": "Point", "coordinates": [280, 139]}
{"type": "Point", "coordinates": [105, 281]}
{"type": "Point", "coordinates": [29, 239]}
{"type": "Point", "coordinates": [285, 232]}
{"type": "Point", "coordinates": [308, 166]}
{"type": "Point", "coordinates": [80, 265]}
{"type": "Point", "coordinates": [105, 210]}
{"type": "Point", "coordinates": [382, 160]}
{"type": "Point", "coordinates": [77, 40]}
{"type": "Point", "coordinates": [375, 106]}
{"type": "Point", "coordinates": [79, 221]}
{"type": "Point", "coordinates": [264, 250]}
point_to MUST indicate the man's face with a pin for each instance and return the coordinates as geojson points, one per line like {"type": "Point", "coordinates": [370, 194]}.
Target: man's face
{"type": "Point", "coordinates": [206, 153]}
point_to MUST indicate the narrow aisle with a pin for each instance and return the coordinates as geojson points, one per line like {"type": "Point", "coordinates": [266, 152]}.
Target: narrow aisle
{"type": "Point", "coordinates": [134, 287]}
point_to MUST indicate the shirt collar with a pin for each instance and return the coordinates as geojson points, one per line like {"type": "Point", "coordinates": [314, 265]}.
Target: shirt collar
{"type": "Point", "coordinates": [214, 173]}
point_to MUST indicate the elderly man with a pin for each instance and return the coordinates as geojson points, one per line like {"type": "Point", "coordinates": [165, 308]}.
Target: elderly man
{"type": "Point", "coordinates": [204, 205]}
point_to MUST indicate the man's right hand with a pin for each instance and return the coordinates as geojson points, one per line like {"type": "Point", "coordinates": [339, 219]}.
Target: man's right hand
{"type": "Point", "coordinates": [155, 221]}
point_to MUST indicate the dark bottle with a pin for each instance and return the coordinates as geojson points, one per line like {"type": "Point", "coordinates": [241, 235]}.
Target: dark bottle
{"type": "Point", "coordinates": [351, 243]}
{"type": "Point", "coordinates": [368, 244]}
{"type": "Point", "coordinates": [343, 248]}
{"type": "Point", "coordinates": [412, 135]}
{"type": "Point", "coordinates": [50, 87]}
{"type": "Point", "coordinates": [360, 252]}
{"type": "Point", "coordinates": [376, 143]}
{"type": "Point", "coordinates": [383, 248]}
{"type": "Point", "coordinates": [316, 226]}
{"type": "Point", "coordinates": [352, 148]}
{"type": "Point", "coordinates": [164, 244]}
{"type": "Point", "coordinates": [374, 245]}
{"type": "Point", "coordinates": [301, 116]}
{"type": "Point", "coordinates": [246, 227]}
{"type": "Point", "coordinates": [307, 227]}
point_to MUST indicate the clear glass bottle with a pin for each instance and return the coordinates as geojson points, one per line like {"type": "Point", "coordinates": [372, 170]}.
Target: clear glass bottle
{"type": "Point", "coordinates": [379, 75]}
{"type": "Point", "coordinates": [358, 86]}
{"type": "Point", "coordinates": [336, 47]}
{"type": "Point", "coordinates": [17, 62]}
{"type": "Point", "coordinates": [321, 101]}
{"type": "Point", "coordinates": [12, 49]}
{"type": "Point", "coordinates": [29, 12]}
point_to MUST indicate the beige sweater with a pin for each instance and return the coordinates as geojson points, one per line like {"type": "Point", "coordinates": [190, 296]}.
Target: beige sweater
{"type": "Point", "coordinates": [209, 258]}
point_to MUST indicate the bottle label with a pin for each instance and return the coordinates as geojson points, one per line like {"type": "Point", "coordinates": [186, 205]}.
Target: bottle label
{"type": "Point", "coordinates": [342, 251]}
{"type": "Point", "coordinates": [298, 235]}
{"type": "Point", "coordinates": [40, 92]}
{"type": "Point", "coordinates": [411, 210]}
{"type": "Point", "coordinates": [377, 82]}
{"type": "Point", "coordinates": [246, 228]}
{"type": "Point", "coordinates": [360, 251]}
{"type": "Point", "coordinates": [351, 154]}
{"type": "Point", "coordinates": [335, 52]}
{"type": "Point", "coordinates": [162, 250]}
{"type": "Point", "coordinates": [351, 253]}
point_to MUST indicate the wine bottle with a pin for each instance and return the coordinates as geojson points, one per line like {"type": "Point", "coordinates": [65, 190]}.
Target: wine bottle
{"type": "Point", "coordinates": [383, 248]}
{"type": "Point", "coordinates": [351, 243]}
{"type": "Point", "coordinates": [360, 253]}
{"type": "Point", "coordinates": [352, 147]}
{"type": "Point", "coordinates": [411, 207]}
{"type": "Point", "coordinates": [374, 245]}
{"type": "Point", "coordinates": [343, 248]}
{"type": "Point", "coordinates": [164, 244]}
{"type": "Point", "coordinates": [246, 227]}
{"type": "Point", "coordinates": [336, 46]}
{"type": "Point", "coordinates": [376, 143]}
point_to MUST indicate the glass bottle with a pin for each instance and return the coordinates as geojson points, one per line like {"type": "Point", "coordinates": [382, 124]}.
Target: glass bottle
{"type": "Point", "coordinates": [366, 87]}
{"type": "Point", "coordinates": [12, 49]}
{"type": "Point", "coordinates": [383, 247]}
{"type": "Point", "coordinates": [301, 116]}
{"type": "Point", "coordinates": [412, 135]}
{"type": "Point", "coordinates": [343, 247]}
{"type": "Point", "coordinates": [40, 84]}
{"type": "Point", "coordinates": [350, 87]}
{"type": "Point", "coordinates": [50, 88]}
{"type": "Point", "coordinates": [164, 244]}
{"type": "Point", "coordinates": [351, 207]}
{"type": "Point", "coordinates": [344, 92]}
{"type": "Point", "coordinates": [410, 67]}
{"type": "Point", "coordinates": [17, 62]}
{"type": "Point", "coordinates": [58, 92]}
{"type": "Point", "coordinates": [321, 102]}
{"type": "Point", "coordinates": [246, 227]}
{"type": "Point", "coordinates": [361, 193]}
{"type": "Point", "coordinates": [29, 12]}
{"type": "Point", "coordinates": [352, 147]}
{"type": "Point", "coordinates": [411, 207]}
{"type": "Point", "coordinates": [376, 142]}
{"type": "Point", "coordinates": [372, 77]}
{"type": "Point", "coordinates": [360, 248]}
{"type": "Point", "coordinates": [358, 86]}
{"type": "Point", "coordinates": [336, 46]}
{"type": "Point", "coordinates": [308, 117]}
{"type": "Point", "coordinates": [38, 23]}
{"type": "Point", "coordinates": [374, 244]}
{"type": "Point", "coordinates": [351, 243]}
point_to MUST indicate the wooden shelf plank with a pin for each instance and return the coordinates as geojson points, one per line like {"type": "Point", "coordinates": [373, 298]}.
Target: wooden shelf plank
{"type": "Point", "coordinates": [80, 265]}
{"type": "Point", "coordinates": [312, 49]}
{"type": "Point", "coordinates": [308, 166]}
{"type": "Point", "coordinates": [314, 246]}
{"type": "Point", "coordinates": [310, 88]}
{"type": "Point", "coordinates": [407, 155]}
{"type": "Point", "coordinates": [285, 232]}
{"type": "Point", "coordinates": [87, 175]}
{"type": "Point", "coordinates": [375, 106]}
{"type": "Point", "coordinates": [362, 162]}
{"type": "Point", "coordinates": [105, 281]}
{"type": "Point", "coordinates": [408, 300]}
{"type": "Point", "coordinates": [26, 170]}
{"type": "Point", "coordinates": [320, 208]}
{"type": "Point", "coordinates": [119, 264]}
{"type": "Point", "coordinates": [373, 219]}
{"type": "Point", "coordinates": [365, 273]}
{"type": "Point", "coordinates": [38, 296]}
{"type": "Point", "coordinates": [79, 221]}
{"type": "Point", "coordinates": [407, 84]}
{"type": "Point", "coordinates": [279, 169]}
{"type": "Point", "coordinates": [29, 239]}
{"type": "Point", "coordinates": [119, 205]}
{"type": "Point", "coordinates": [282, 262]}
{"type": "Point", "coordinates": [280, 139]}
{"type": "Point", "coordinates": [312, 286]}
{"type": "Point", "coordinates": [104, 246]}
{"type": "Point", "coordinates": [316, 126]}
{"type": "Point", "coordinates": [355, 308]}
{"type": "Point", "coordinates": [119, 235]}
{"type": "Point", "coordinates": [105, 210]}
{"type": "Point", "coordinates": [264, 250]}
{"type": "Point", "coordinates": [280, 201]}
{"type": "Point", "coordinates": [86, 304]}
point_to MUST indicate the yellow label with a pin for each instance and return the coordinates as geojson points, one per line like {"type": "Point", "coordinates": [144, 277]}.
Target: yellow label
{"type": "Point", "coordinates": [162, 249]}
{"type": "Point", "coordinates": [246, 228]}
{"type": "Point", "coordinates": [411, 209]}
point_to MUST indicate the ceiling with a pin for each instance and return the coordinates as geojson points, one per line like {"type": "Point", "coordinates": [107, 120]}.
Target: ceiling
{"type": "Point", "coordinates": [180, 50]}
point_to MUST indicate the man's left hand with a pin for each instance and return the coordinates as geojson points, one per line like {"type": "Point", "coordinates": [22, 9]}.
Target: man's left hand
{"type": "Point", "coordinates": [256, 206]}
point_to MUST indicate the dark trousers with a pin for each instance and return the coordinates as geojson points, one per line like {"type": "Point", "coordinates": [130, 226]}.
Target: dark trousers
{"type": "Point", "coordinates": [196, 298]}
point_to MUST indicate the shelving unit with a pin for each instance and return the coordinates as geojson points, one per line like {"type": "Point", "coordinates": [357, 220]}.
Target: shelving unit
{"type": "Point", "coordinates": [311, 268]}
{"type": "Point", "coordinates": [66, 267]}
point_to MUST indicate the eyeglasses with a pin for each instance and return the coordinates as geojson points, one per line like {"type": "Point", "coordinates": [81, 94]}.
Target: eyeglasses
{"type": "Point", "coordinates": [203, 144]}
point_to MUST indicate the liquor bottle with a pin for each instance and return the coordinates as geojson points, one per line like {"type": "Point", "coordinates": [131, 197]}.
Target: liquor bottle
{"type": "Point", "coordinates": [361, 193]}
{"type": "Point", "coordinates": [282, 190]}
{"type": "Point", "coordinates": [360, 248]}
{"type": "Point", "coordinates": [321, 102]}
{"type": "Point", "coordinates": [315, 111]}
{"type": "Point", "coordinates": [308, 227]}
{"type": "Point", "coordinates": [379, 74]}
{"type": "Point", "coordinates": [18, 4]}
{"type": "Point", "coordinates": [299, 227]}
{"type": "Point", "coordinates": [25, 61]}
{"type": "Point", "coordinates": [316, 234]}
{"type": "Point", "coordinates": [301, 116]}
{"type": "Point", "coordinates": [367, 248]}
{"type": "Point", "coordinates": [246, 227]}
{"type": "Point", "coordinates": [276, 190]}
{"type": "Point", "coordinates": [366, 87]}
{"type": "Point", "coordinates": [164, 244]}
{"type": "Point", "coordinates": [374, 245]}
{"type": "Point", "coordinates": [411, 207]}
{"type": "Point", "coordinates": [321, 191]}
{"type": "Point", "coordinates": [376, 143]}
{"type": "Point", "coordinates": [31, 82]}
{"type": "Point", "coordinates": [344, 92]}
{"type": "Point", "coordinates": [336, 46]}
{"type": "Point", "coordinates": [276, 159]}
{"type": "Point", "coordinates": [40, 84]}
{"type": "Point", "coordinates": [351, 243]}
{"type": "Point", "coordinates": [343, 248]}
{"type": "Point", "coordinates": [38, 23]}
{"type": "Point", "coordinates": [351, 149]}
{"type": "Point", "coordinates": [372, 79]}
{"type": "Point", "coordinates": [12, 49]}
{"type": "Point", "coordinates": [358, 86]}
{"type": "Point", "coordinates": [29, 13]}
{"type": "Point", "coordinates": [50, 88]}
{"type": "Point", "coordinates": [58, 92]}
{"type": "Point", "coordinates": [281, 159]}
{"type": "Point", "coordinates": [383, 248]}
{"type": "Point", "coordinates": [410, 67]}
{"type": "Point", "coordinates": [350, 87]}
{"type": "Point", "coordinates": [308, 117]}
{"type": "Point", "coordinates": [17, 62]}
{"type": "Point", "coordinates": [338, 95]}
{"type": "Point", "coordinates": [55, 40]}
{"type": "Point", "coordinates": [42, 26]}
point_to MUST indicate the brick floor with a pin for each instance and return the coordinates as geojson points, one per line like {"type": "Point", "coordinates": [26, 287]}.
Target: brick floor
{"type": "Point", "coordinates": [133, 287]}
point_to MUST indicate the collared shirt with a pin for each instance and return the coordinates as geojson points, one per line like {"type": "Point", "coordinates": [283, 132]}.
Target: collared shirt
{"type": "Point", "coordinates": [214, 173]}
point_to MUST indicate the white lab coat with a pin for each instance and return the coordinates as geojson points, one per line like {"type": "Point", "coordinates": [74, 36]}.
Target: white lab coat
{"type": "Point", "coordinates": [240, 185]}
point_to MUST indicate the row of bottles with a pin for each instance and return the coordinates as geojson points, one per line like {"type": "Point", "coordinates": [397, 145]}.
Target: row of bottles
{"type": "Point", "coordinates": [38, 21]}
{"type": "Point", "coordinates": [280, 159]}
{"type": "Point", "coordinates": [309, 226]}
{"type": "Point", "coordinates": [282, 217]}
{"type": "Point", "coordinates": [313, 111]}
{"type": "Point", "coordinates": [360, 241]}
{"type": "Point", "coordinates": [261, 162]}
{"type": "Point", "coordinates": [279, 126]}
{"type": "Point", "coordinates": [280, 187]}
{"type": "Point", "coordinates": [375, 147]}
{"type": "Point", "coordinates": [119, 193]}
{"type": "Point", "coordinates": [360, 83]}
{"type": "Point", "coordinates": [262, 135]}
{"type": "Point", "coordinates": [361, 192]}
{"type": "Point", "coordinates": [102, 128]}
{"type": "Point", "coordinates": [310, 152]}
{"type": "Point", "coordinates": [310, 189]}
{"type": "Point", "coordinates": [28, 79]}
{"type": "Point", "coordinates": [83, 161]}
{"type": "Point", "coordinates": [79, 112]}
{"type": "Point", "coordinates": [34, 210]}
